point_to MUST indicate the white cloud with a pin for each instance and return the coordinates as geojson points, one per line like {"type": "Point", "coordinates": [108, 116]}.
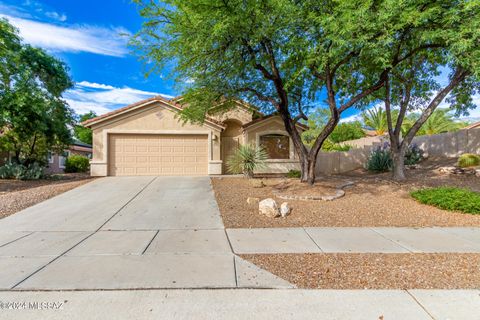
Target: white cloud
{"type": "Point", "coordinates": [94, 85]}
{"type": "Point", "coordinates": [56, 16]}
{"type": "Point", "coordinates": [102, 98]}
{"type": "Point", "coordinates": [75, 38]}
{"type": "Point", "coordinates": [355, 117]}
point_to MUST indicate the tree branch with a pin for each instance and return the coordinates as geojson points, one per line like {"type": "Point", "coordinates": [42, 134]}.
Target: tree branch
{"type": "Point", "coordinates": [459, 75]}
{"type": "Point", "coordinates": [347, 58]}
{"type": "Point", "coordinates": [259, 95]}
{"type": "Point", "coordinates": [376, 86]}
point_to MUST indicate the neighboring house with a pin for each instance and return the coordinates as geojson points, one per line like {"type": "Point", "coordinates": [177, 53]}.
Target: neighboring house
{"type": "Point", "coordinates": [56, 162]}
{"type": "Point", "coordinates": [147, 138]}
{"type": "Point", "coordinates": [472, 126]}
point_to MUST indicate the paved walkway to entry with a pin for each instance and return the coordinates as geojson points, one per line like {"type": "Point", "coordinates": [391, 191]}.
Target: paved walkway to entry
{"type": "Point", "coordinates": [355, 240]}
{"type": "Point", "coordinates": [125, 233]}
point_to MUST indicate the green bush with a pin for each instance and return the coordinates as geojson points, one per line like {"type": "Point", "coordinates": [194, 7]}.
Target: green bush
{"type": "Point", "coordinates": [380, 159]}
{"type": "Point", "coordinates": [246, 160]}
{"type": "Point", "coordinates": [329, 146]}
{"type": "Point", "coordinates": [76, 163]}
{"type": "Point", "coordinates": [294, 174]}
{"type": "Point", "coordinates": [347, 131]}
{"type": "Point", "coordinates": [21, 172]}
{"type": "Point", "coordinates": [468, 160]}
{"type": "Point", "coordinates": [450, 198]}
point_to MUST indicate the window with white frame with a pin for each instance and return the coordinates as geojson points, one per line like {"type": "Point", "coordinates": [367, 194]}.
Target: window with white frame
{"type": "Point", "coordinates": [50, 157]}
{"type": "Point", "coordinates": [62, 159]}
{"type": "Point", "coordinates": [277, 146]}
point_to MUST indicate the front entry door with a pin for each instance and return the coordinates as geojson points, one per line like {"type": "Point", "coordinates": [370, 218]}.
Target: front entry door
{"type": "Point", "coordinates": [229, 146]}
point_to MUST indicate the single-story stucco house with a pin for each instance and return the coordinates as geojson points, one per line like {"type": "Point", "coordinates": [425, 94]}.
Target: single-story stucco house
{"type": "Point", "coordinates": [147, 138]}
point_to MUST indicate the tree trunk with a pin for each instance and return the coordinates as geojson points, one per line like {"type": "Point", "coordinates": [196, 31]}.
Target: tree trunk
{"type": "Point", "coordinates": [398, 161]}
{"type": "Point", "coordinates": [308, 170]}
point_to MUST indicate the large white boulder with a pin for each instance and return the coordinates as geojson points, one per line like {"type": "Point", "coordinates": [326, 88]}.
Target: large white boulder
{"type": "Point", "coordinates": [268, 207]}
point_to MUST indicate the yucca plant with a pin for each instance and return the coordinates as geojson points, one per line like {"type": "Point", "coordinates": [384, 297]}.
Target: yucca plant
{"type": "Point", "coordinates": [468, 160]}
{"type": "Point", "coordinates": [247, 159]}
{"type": "Point", "coordinates": [380, 159]}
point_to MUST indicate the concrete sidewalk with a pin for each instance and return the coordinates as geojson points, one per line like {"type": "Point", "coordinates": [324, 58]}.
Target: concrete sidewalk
{"type": "Point", "coordinates": [244, 304]}
{"type": "Point", "coordinates": [355, 240]}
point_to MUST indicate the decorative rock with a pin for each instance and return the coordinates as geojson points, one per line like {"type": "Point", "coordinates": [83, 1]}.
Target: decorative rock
{"type": "Point", "coordinates": [257, 183]}
{"type": "Point", "coordinates": [284, 209]}
{"type": "Point", "coordinates": [477, 173]}
{"type": "Point", "coordinates": [452, 170]}
{"type": "Point", "coordinates": [268, 207]}
{"type": "Point", "coordinates": [458, 170]}
{"type": "Point", "coordinates": [252, 200]}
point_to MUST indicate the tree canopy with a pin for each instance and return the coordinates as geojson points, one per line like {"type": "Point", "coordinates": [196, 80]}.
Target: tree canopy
{"type": "Point", "coordinates": [82, 133]}
{"type": "Point", "coordinates": [283, 55]}
{"type": "Point", "coordinates": [33, 116]}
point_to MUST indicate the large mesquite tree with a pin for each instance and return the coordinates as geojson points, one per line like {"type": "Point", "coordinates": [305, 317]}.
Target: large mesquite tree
{"type": "Point", "coordinates": [414, 86]}
{"type": "Point", "coordinates": [281, 55]}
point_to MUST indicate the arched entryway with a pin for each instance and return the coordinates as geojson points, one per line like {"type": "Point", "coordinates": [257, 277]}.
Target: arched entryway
{"type": "Point", "coordinates": [231, 139]}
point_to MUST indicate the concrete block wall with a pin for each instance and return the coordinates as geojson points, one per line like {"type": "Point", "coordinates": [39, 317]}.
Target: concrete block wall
{"type": "Point", "coordinates": [451, 144]}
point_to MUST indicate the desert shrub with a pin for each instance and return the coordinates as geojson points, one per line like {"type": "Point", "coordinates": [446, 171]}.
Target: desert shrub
{"type": "Point", "coordinates": [380, 159]}
{"type": "Point", "coordinates": [347, 131]}
{"type": "Point", "coordinates": [413, 155]}
{"type": "Point", "coordinates": [294, 174]}
{"type": "Point", "coordinates": [21, 172]}
{"type": "Point", "coordinates": [76, 163]}
{"type": "Point", "coordinates": [450, 198]}
{"type": "Point", "coordinates": [247, 159]}
{"type": "Point", "coordinates": [329, 146]}
{"type": "Point", "coordinates": [468, 160]}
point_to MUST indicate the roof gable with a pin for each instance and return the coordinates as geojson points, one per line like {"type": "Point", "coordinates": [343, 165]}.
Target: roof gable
{"type": "Point", "coordinates": [110, 116]}
{"type": "Point", "coordinates": [272, 117]}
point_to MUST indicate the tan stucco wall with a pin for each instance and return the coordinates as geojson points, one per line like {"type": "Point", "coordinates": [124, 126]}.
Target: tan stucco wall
{"type": "Point", "coordinates": [273, 125]}
{"type": "Point", "coordinates": [154, 119]}
{"type": "Point", "coordinates": [240, 114]}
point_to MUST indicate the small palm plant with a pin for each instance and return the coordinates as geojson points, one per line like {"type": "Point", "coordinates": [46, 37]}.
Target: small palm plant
{"type": "Point", "coordinates": [247, 159]}
{"type": "Point", "coordinates": [439, 122]}
{"type": "Point", "coordinates": [376, 119]}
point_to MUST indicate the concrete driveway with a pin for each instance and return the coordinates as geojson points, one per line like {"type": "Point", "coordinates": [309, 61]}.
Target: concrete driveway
{"type": "Point", "coordinates": [124, 233]}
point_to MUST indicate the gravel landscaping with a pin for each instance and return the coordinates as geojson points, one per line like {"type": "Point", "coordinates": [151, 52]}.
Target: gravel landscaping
{"type": "Point", "coordinates": [16, 195]}
{"type": "Point", "coordinates": [374, 200]}
{"type": "Point", "coordinates": [374, 271]}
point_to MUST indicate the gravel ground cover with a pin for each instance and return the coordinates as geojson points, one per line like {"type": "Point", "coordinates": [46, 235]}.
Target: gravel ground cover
{"type": "Point", "coordinates": [374, 271]}
{"type": "Point", "coordinates": [16, 195]}
{"type": "Point", "coordinates": [374, 200]}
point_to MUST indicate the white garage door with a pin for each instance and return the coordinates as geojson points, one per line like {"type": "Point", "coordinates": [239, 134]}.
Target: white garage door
{"type": "Point", "coordinates": [148, 154]}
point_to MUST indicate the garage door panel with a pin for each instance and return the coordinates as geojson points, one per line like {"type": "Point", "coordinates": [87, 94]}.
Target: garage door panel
{"type": "Point", "coordinates": [158, 154]}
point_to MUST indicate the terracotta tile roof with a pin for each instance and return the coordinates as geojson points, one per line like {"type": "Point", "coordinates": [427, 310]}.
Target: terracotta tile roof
{"type": "Point", "coordinates": [473, 125]}
{"type": "Point", "coordinates": [171, 102]}
{"type": "Point", "coordinates": [263, 118]}
{"type": "Point", "coordinates": [130, 106]}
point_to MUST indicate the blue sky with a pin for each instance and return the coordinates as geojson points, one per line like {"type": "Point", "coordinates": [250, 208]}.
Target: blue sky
{"type": "Point", "coordinates": [91, 37]}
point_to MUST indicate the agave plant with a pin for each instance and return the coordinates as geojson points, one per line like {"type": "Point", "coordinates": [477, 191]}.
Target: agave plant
{"type": "Point", "coordinates": [247, 159]}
